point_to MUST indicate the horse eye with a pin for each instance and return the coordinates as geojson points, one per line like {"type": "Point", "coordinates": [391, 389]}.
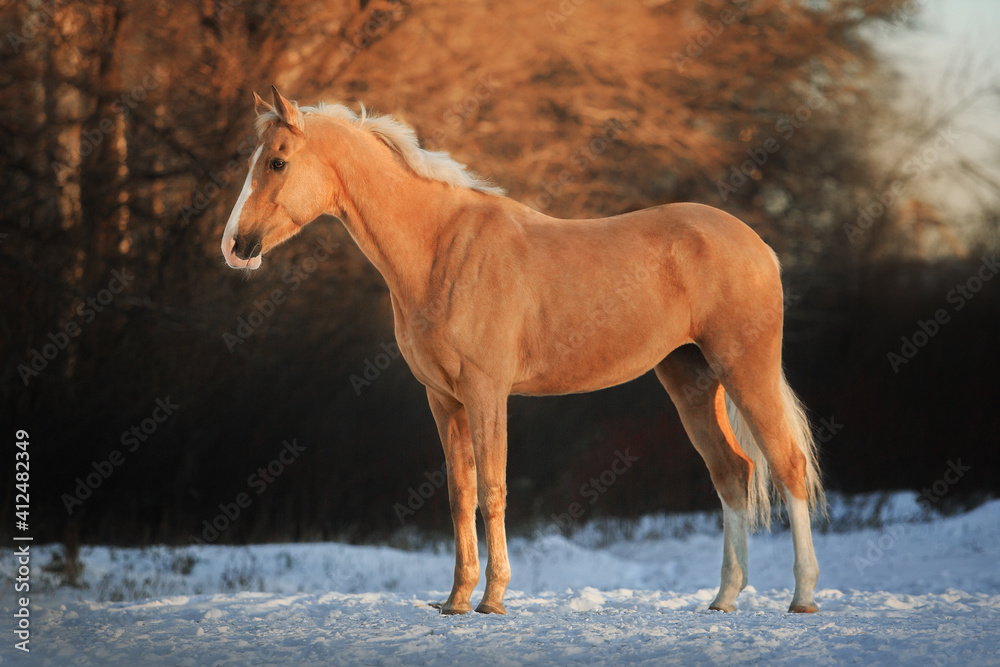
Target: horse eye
{"type": "Point", "coordinates": [277, 164]}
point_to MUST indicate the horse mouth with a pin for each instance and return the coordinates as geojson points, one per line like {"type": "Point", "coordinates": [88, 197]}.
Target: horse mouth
{"type": "Point", "coordinates": [251, 264]}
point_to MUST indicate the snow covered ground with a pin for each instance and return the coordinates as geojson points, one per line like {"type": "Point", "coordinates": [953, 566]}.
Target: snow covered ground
{"type": "Point", "coordinates": [906, 590]}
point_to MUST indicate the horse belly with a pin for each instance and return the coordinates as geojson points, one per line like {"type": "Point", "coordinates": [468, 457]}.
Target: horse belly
{"type": "Point", "coordinates": [598, 355]}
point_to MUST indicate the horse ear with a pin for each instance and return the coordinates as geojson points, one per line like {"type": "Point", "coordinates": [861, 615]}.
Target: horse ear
{"type": "Point", "coordinates": [287, 111]}
{"type": "Point", "coordinates": [260, 106]}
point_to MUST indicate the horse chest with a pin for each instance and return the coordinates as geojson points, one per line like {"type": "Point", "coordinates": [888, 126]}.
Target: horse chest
{"type": "Point", "coordinates": [430, 359]}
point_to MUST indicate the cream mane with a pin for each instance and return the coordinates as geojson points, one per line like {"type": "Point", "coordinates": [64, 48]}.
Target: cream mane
{"type": "Point", "coordinates": [433, 165]}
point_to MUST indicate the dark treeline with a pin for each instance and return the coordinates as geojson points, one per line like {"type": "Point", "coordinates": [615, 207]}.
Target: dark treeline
{"type": "Point", "coordinates": [161, 389]}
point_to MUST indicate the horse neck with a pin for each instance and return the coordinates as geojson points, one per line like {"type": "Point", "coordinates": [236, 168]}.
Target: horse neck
{"type": "Point", "coordinates": [393, 215]}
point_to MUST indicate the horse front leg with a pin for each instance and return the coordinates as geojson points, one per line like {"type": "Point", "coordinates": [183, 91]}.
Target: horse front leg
{"type": "Point", "coordinates": [488, 423]}
{"type": "Point", "coordinates": [453, 427]}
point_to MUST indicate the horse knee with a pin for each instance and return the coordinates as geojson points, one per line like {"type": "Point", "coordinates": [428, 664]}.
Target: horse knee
{"type": "Point", "coordinates": [492, 500]}
{"type": "Point", "coordinates": [462, 501]}
{"type": "Point", "coordinates": [463, 504]}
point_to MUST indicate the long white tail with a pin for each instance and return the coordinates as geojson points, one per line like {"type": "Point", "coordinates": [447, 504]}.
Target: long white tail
{"type": "Point", "coordinates": [761, 487]}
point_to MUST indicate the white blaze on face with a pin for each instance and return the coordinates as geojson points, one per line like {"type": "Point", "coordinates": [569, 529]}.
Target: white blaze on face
{"type": "Point", "coordinates": [228, 238]}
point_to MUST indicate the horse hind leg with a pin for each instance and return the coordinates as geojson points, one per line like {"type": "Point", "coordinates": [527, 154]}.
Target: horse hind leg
{"type": "Point", "coordinates": [701, 403]}
{"type": "Point", "coordinates": [780, 432]}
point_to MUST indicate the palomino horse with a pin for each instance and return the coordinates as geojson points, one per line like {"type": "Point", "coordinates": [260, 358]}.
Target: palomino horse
{"type": "Point", "coordinates": [522, 303]}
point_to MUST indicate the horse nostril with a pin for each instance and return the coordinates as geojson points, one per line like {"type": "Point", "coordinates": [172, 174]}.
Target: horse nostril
{"type": "Point", "coordinates": [246, 247]}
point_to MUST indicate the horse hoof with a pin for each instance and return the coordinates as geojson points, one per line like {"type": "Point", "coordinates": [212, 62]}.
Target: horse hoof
{"type": "Point", "coordinates": [803, 609]}
{"type": "Point", "coordinates": [487, 608]}
{"type": "Point", "coordinates": [452, 609]}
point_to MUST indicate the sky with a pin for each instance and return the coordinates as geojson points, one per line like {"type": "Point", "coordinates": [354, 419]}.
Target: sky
{"type": "Point", "coordinates": [947, 34]}
{"type": "Point", "coordinates": [944, 27]}
{"type": "Point", "coordinates": [949, 50]}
